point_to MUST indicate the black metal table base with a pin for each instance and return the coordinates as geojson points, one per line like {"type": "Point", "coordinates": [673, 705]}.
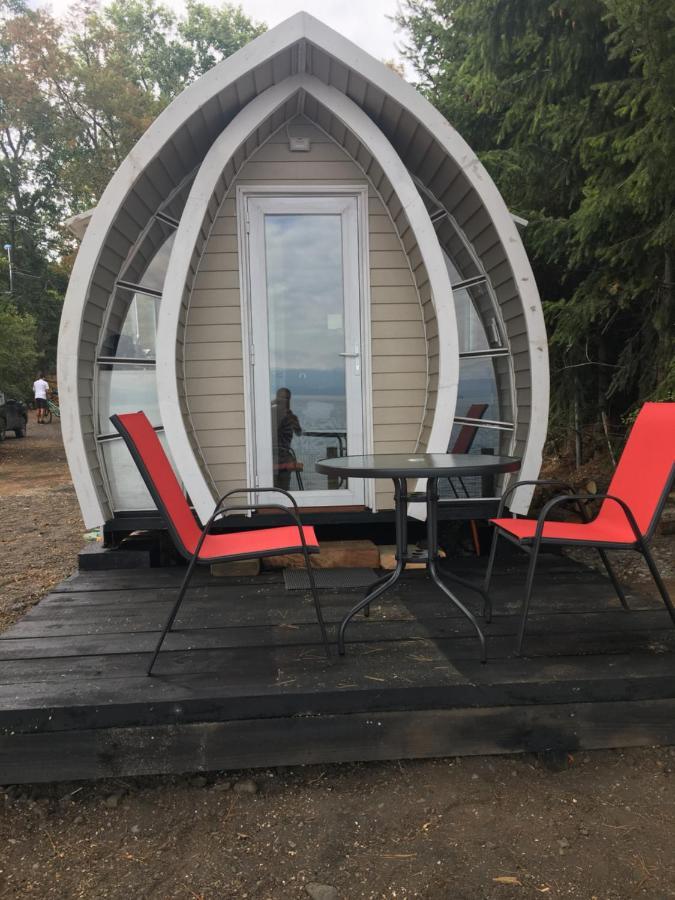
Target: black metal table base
{"type": "Point", "coordinates": [386, 582]}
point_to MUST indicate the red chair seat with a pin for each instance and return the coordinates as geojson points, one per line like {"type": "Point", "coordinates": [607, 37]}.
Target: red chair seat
{"type": "Point", "coordinates": [261, 542]}
{"type": "Point", "coordinates": [595, 532]}
{"type": "Point", "coordinates": [628, 512]}
{"type": "Point", "coordinates": [160, 479]}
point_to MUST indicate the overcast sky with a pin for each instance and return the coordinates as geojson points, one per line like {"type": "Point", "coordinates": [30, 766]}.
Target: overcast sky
{"type": "Point", "coordinates": [363, 21]}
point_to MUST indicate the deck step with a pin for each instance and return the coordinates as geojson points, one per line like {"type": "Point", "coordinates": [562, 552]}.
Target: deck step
{"type": "Point", "coordinates": [97, 558]}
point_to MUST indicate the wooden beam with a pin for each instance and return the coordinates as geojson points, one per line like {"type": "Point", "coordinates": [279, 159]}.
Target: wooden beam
{"type": "Point", "coordinates": [411, 734]}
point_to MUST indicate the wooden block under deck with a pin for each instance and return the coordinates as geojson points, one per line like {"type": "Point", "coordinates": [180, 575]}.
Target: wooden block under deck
{"type": "Point", "coordinates": [334, 555]}
{"type": "Point", "coordinates": [240, 568]}
{"type": "Point", "coordinates": [388, 557]}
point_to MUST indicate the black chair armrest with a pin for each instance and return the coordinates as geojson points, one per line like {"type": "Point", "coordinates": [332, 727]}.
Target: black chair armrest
{"type": "Point", "coordinates": [578, 499]}
{"type": "Point", "coordinates": [293, 513]}
{"type": "Point", "coordinates": [539, 482]}
{"type": "Point", "coordinates": [219, 510]}
{"type": "Point", "coordinates": [266, 490]}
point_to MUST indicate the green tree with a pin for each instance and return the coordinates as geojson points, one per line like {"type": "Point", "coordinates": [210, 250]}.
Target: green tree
{"type": "Point", "coordinates": [18, 352]}
{"type": "Point", "coordinates": [624, 228]}
{"type": "Point", "coordinates": [31, 155]}
{"type": "Point", "coordinates": [75, 96]}
{"type": "Point", "coordinates": [569, 106]}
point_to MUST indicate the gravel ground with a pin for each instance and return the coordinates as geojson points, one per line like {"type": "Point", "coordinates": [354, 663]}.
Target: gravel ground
{"type": "Point", "coordinates": [595, 826]}
{"type": "Point", "coordinates": [40, 525]}
{"type": "Point", "coordinates": [465, 829]}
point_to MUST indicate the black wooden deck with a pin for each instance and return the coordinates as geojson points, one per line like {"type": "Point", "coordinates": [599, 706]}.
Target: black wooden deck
{"type": "Point", "coordinates": [244, 681]}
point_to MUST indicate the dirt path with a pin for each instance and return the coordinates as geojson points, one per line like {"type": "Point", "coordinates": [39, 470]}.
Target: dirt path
{"type": "Point", "coordinates": [598, 825]}
{"type": "Point", "coordinates": [40, 525]}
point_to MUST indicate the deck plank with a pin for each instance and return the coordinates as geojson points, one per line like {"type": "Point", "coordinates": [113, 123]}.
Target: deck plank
{"type": "Point", "coordinates": [407, 734]}
{"type": "Point", "coordinates": [246, 665]}
{"type": "Point", "coordinates": [603, 627]}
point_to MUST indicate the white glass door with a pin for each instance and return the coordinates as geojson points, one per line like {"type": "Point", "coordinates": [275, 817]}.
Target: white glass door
{"type": "Point", "coordinates": [305, 350]}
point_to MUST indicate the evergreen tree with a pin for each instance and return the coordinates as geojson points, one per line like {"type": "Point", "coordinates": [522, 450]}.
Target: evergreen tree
{"type": "Point", "coordinates": [569, 105]}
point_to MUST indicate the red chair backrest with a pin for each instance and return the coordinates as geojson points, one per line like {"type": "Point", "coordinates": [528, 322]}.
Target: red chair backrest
{"type": "Point", "coordinates": [467, 433]}
{"type": "Point", "coordinates": [645, 471]}
{"type": "Point", "coordinates": [157, 472]}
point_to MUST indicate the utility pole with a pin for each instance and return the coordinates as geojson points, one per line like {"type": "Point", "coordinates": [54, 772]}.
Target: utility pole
{"type": "Point", "coordinates": [8, 248]}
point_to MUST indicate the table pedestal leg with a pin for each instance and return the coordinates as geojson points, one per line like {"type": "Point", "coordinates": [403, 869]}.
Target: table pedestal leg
{"type": "Point", "coordinates": [387, 581]}
{"type": "Point", "coordinates": [468, 584]}
{"type": "Point", "coordinates": [432, 549]}
{"type": "Point", "coordinates": [383, 584]}
{"type": "Point", "coordinates": [372, 586]}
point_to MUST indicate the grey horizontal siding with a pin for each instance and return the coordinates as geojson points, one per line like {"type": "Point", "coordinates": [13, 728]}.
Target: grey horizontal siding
{"type": "Point", "coordinates": [213, 359]}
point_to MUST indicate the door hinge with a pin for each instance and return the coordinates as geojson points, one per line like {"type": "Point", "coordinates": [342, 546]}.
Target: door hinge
{"type": "Point", "coordinates": [251, 355]}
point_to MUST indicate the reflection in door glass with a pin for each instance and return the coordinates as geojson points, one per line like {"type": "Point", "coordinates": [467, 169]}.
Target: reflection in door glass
{"type": "Point", "coordinates": [305, 317]}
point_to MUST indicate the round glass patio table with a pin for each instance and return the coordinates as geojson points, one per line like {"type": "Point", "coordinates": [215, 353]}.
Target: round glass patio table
{"type": "Point", "coordinates": [399, 467]}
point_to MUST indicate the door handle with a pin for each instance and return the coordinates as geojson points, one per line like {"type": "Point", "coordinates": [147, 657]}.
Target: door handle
{"type": "Point", "coordinates": [356, 355]}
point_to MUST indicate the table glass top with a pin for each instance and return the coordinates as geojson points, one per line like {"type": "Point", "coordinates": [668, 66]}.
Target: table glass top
{"type": "Point", "coordinates": [418, 465]}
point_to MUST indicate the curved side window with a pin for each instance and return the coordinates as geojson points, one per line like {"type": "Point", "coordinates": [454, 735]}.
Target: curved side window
{"type": "Point", "coordinates": [485, 414]}
{"type": "Point", "coordinates": [125, 371]}
{"type": "Point", "coordinates": [132, 319]}
{"type": "Point", "coordinates": [122, 388]}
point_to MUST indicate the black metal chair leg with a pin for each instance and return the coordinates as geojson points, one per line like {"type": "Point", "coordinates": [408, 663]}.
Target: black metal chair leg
{"type": "Point", "coordinates": [663, 590]}
{"type": "Point", "coordinates": [174, 612]}
{"type": "Point", "coordinates": [534, 555]}
{"type": "Point", "coordinates": [317, 602]}
{"type": "Point", "coordinates": [487, 608]}
{"type": "Point", "coordinates": [615, 581]}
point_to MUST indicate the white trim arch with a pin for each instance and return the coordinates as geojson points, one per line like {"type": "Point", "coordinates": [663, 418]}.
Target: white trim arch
{"type": "Point", "coordinates": [201, 195]}
{"type": "Point", "coordinates": [181, 137]}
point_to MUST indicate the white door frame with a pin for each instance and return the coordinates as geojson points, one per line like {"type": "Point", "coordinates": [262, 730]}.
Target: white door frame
{"type": "Point", "coordinates": [365, 492]}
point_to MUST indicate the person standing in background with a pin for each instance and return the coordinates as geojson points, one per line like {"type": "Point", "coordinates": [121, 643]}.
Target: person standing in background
{"type": "Point", "coordinates": [40, 389]}
{"type": "Point", "coordinates": [285, 424]}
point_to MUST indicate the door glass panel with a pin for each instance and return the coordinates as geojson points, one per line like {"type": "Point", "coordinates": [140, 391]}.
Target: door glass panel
{"type": "Point", "coordinates": [306, 331]}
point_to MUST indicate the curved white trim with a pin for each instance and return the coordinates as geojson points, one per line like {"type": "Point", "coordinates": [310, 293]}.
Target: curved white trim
{"type": "Point", "coordinates": [105, 214]}
{"type": "Point", "coordinates": [456, 147]}
{"type": "Point", "coordinates": [356, 121]}
{"type": "Point", "coordinates": [174, 117]}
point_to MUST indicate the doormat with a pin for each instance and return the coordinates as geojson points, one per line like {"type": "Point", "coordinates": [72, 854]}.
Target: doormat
{"type": "Point", "coordinates": [297, 580]}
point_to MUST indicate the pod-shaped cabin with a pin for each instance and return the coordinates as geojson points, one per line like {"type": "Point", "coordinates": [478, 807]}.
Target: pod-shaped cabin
{"type": "Point", "coordinates": [301, 258]}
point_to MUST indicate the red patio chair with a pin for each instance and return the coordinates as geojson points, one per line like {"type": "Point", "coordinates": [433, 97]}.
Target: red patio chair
{"type": "Point", "coordinates": [197, 544]}
{"type": "Point", "coordinates": [627, 517]}
{"type": "Point", "coordinates": [463, 444]}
